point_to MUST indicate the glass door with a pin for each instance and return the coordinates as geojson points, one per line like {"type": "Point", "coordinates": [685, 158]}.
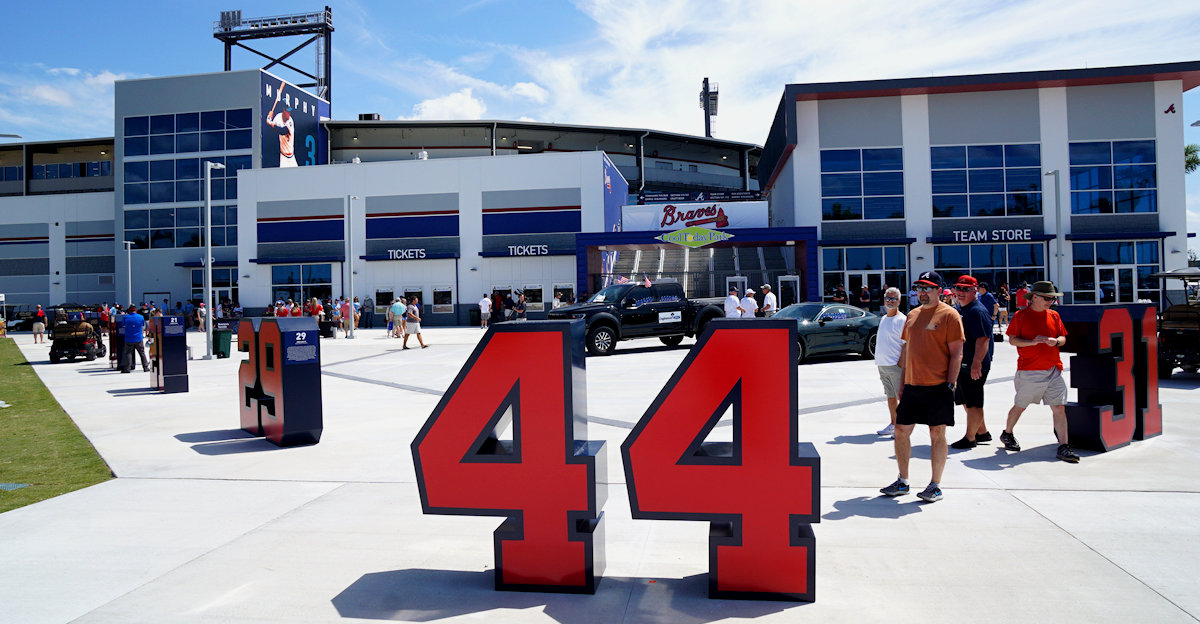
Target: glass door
{"type": "Point", "coordinates": [789, 290]}
{"type": "Point", "coordinates": [737, 282]}
{"type": "Point", "coordinates": [1116, 283]}
{"type": "Point", "coordinates": [873, 280]}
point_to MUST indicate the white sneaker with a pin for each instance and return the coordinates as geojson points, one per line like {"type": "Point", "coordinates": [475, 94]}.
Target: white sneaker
{"type": "Point", "coordinates": [888, 430]}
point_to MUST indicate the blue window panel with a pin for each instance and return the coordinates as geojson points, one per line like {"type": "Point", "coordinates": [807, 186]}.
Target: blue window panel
{"type": "Point", "coordinates": [991, 205]}
{"type": "Point", "coordinates": [8, 173]}
{"type": "Point", "coordinates": [1022, 180]}
{"type": "Point", "coordinates": [187, 217]}
{"type": "Point", "coordinates": [951, 256]}
{"type": "Point", "coordinates": [50, 172]}
{"type": "Point", "coordinates": [218, 236]}
{"type": "Point", "coordinates": [841, 209]}
{"type": "Point", "coordinates": [1092, 202]}
{"type": "Point", "coordinates": [237, 139]}
{"type": "Point", "coordinates": [949, 205]}
{"type": "Point", "coordinates": [1094, 153]}
{"type": "Point", "coordinates": [239, 118]}
{"type": "Point", "coordinates": [139, 238]}
{"type": "Point", "coordinates": [188, 237]}
{"type": "Point", "coordinates": [841, 184]}
{"type": "Point", "coordinates": [1115, 253]}
{"type": "Point", "coordinates": [1091, 178]}
{"type": "Point", "coordinates": [985, 180]}
{"type": "Point", "coordinates": [67, 170]}
{"type": "Point", "coordinates": [1084, 253]}
{"type": "Point", "coordinates": [1133, 152]}
{"type": "Point", "coordinates": [285, 274]}
{"type": "Point", "coordinates": [218, 189]}
{"type": "Point", "coordinates": [532, 222]}
{"type": "Point", "coordinates": [233, 163]}
{"type": "Point", "coordinates": [137, 172]}
{"type": "Point", "coordinates": [231, 236]}
{"type": "Point", "coordinates": [39, 172]}
{"type": "Point", "coordinates": [884, 159]}
{"type": "Point", "coordinates": [831, 258]}
{"type": "Point", "coordinates": [317, 273]}
{"type": "Point", "coordinates": [1136, 201]}
{"type": "Point", "coordinates": [948, 157]}
{"type": "Point", "coordinates": [187, 122]}
{"type": "Point", "coordinates": [1027, 155]}
{"type": "Point", "coordinates": [162, 170]}
{"type": "Point", "coordinates": [218, 215]}
{"type": "Point", "coordinates": [988, 256]}
{"type": "Point", "coordinates": [212, 120]}
{"type": "Point", "coordinates": [137, 146]}
{"type": "Point", "coordinates": [137, 126]}
{"type": "Point", "coordinates": [212, 141]}
{"type": "Point", "coordinates": [985, 156]}
{"type": "Point", "coordinates": [187, 190]}
{"type": "Point", "coordinates": [1134, 177]}
{"type": "Point", "coordinates": [187, 169]}
{"type": "Point", "coordinates": [894, 258]}
{"type": "Point", "coordinates": [1147, 252]}
{"type": "Point", "coordinates": [162, 239]}
{"type": "Point", "coordinates": [137, 219]}
{"type": "Point", "coordinates": [162, 144]}
{"type": "Point", "coordinates": [883, 207]}
{"type": "Point", "coordinates": [230, 214]}
{"type": "Point", "coordinates": [106, 168]}
{"type": "Point", "coordinates": [1085, 297]}
{"type": "Point", "coordinates": [162, 192]}
{"type": "Point", "coordinates": [162, 124]}
{"type": "Point", "coordinates": [91, 169]}
{"type": "Point", "coordinates": [137, 193]}
{"type": "Point", "coordinates": [840, 160]}
{"type": "Point", "coordinates": [953, 181]}
{"type": "Point", "coordinates": [1026, 255]}
{"type": "Point", "coordinates": [398, 227]}
{"type": "Point", "coordinates": [231, 188]}
{"type": "Point", "coordinates": [1023, 204]}
{"type": "Point", "coordinates": [187, 143]}
{"type": "Point", "coordinates": [864, 258]}
{"type": "Point", "coordinates": [162, 218]}
{"type": "Point", "coordinates": [299, 231]}
{"type": "Point", "coordinates": [891, 183]}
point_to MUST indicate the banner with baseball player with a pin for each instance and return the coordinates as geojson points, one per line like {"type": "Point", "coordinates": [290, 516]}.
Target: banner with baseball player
{"type": "Point", "coordinates": [292, 134]}
{"type": "Point", "coordinates": [711, 215]}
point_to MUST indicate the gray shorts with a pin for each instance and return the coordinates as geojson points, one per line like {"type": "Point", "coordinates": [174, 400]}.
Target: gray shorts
{"type": "Point", "coordinates": [1044, 386]}
{"type": "Point", "coordinates": [411, 328]}
{"type": "Point", "coordinates": [39, 328]}
{"type": "Point", "coordinates": [893, 380]}
{"type": "Point", "coordinates": [485, 315]}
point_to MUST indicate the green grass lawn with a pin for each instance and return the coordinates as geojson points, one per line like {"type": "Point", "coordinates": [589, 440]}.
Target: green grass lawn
{"type": "Point", "coordinates": [39, 444]}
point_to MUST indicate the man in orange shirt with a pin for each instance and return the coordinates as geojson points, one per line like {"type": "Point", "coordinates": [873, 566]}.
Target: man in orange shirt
{"type": "Point", "coordinates": [931, 356]}
{"type": "Point", "coordinates": [1037, 332]}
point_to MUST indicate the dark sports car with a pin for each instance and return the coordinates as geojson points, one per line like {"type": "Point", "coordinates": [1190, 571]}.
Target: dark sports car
{"type": "Point", "coordinates": [832, 328]}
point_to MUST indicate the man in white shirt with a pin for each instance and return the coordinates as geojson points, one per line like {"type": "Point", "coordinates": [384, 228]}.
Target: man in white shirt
{"type": "Point", "coordinates": [888, 346]}
{"type": "Point", "coordinates": [733, 305]}
{"type": "Point", "coordinates": [485, 311]}
{"type": "Point", "coordinates": [749, 305]}
{"type": "Point", "coordinates": [770, 304]}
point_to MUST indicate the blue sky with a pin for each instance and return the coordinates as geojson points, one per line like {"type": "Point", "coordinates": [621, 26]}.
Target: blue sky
{"type": "Point", "coordinates": [607, 62]}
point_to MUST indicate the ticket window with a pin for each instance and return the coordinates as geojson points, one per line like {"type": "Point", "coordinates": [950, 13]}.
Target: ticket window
{"type": "Point", "coordinates": [565, 293]}
{"type": "Point", "coordinates": [418, 292]}
{"type": "Point", "coordinates": [443, 300]}
{"type": "Point", "coordinates": [534, 301]}
{"type": "Point", "coordinates": [383, 300]}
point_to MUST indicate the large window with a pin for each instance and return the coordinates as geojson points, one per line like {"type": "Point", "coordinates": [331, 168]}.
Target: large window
{"type": "Point", "coordinates": [1115, 272]}
{"type": "Point", "coordinates": [179, 227]}
{"type": "Point", "coordinates": [224, 284]}
{"type": "Point", "coordinates": [995, 264]}
{"type": "Point", "coordinates": [1113, 177]}
{"type": "Point", "coordinates": [986, 180]}
{"type": "Point", "coordinates": [853, 267]}
{"type": "Point", "coordinates": [208, 131]}
{"type": "Point", "coordinates": [301, 282]}
{"type": "Point", "coordinates": [180, 180]}
{"type": "Point", "coordinates": [862, 184]}
{"type": "Point", "coordinates": [92, 168]}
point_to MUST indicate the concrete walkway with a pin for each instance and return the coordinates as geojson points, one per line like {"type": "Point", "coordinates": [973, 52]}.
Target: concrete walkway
{"type": "Point", "coordinates": [206, 524]}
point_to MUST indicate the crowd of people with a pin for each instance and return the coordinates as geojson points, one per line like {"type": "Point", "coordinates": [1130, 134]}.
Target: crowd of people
{"type": "Point", "coordinates": [938, 356]}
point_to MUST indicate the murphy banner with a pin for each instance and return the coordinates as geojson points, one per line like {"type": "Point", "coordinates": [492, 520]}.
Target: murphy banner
{"type": "Point", "coordinates": [711, 215]}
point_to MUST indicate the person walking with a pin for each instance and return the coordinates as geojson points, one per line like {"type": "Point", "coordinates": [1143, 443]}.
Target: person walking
{"type": "Point", "coordinates": [1021, 297]}
{"type": "Point", "coordinates": [976, 361]}
{"type": "Point", "coordinates": [748, 304]}
{"type": "Point", "coordinates": [913, 300]}
{"type": "Point", "coordinates": [1038, 332]}
{"type": "Point", "coordinates": [201, 317]}
{"type": "Point", "coordinates": [135, 327]}
{"type": "Point", "coordinates": [39, 325]}
{"type": "Point", "coordinates": [1002, 304]}
{"type": "Point", "coordinates": [396, 316]}
{"type": "Point", "coordinates": [413, 322]}
{"type": "Point", "coordinates": [864, 298]}
{"type": "Point", "coordinates": [933, 336]}
{"type": "Point", "coordinates": [519, 308]}
{"type": "Point", "coordinates": [770, 304]}
{"type": "Point", "coordinates": [368, 313]}
{"type": "Point", "coordinates": [888, 346]}
{"type": "Point", "coordinates": [733, 305]}
{"type": "Point", "coordinates": [485, 311]}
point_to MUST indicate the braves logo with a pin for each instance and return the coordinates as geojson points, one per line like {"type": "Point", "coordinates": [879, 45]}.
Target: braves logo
{"type": "Point", "coordinates": [1170, 109]}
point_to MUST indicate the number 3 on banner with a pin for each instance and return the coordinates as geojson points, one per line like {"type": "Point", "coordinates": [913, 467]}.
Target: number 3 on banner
{"type": "Point", "coordinates": [760, 492]}
{"type": "Point", "coordinates": [544, 479]}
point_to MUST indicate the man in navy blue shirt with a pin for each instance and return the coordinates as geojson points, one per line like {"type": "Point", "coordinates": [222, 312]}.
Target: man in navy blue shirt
{"type": "Point", "coordinates": [135, 327]}
{"type": "Point", "coordinates": [989, 302]}
{"type": "Point", "coordinates": [976, 361]}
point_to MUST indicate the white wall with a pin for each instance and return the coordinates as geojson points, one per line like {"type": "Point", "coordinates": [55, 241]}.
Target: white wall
{"type": "Point", "coordinates": [1172, 194]}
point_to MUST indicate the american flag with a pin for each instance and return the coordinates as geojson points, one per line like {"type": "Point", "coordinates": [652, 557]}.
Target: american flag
{"type": "Point", "coordinates": [646, 280]}
{"type": "Point", "coordinates": [621, 279]}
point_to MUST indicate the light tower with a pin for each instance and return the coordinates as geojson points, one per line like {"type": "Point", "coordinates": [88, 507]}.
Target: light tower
{"type": "Point", "coordinates": [233, 30]}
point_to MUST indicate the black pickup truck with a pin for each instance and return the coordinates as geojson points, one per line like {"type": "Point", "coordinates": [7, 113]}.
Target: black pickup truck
{"type": "Point", "coordinates": [634, 310]}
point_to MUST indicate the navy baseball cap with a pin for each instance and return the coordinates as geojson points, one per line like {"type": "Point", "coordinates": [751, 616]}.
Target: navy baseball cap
{"type": "Point", "coordinates": [929, 278]}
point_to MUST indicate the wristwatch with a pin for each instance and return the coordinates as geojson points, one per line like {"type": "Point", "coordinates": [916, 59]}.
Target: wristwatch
{"type": "Point", "coordinates": [951, 385]}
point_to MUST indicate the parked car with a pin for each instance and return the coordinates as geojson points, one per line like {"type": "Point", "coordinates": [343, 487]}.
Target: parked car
{"type": "Point", "coordinates": [824, 328]}
{"type": "Point", "coordinates": [1179, 325]}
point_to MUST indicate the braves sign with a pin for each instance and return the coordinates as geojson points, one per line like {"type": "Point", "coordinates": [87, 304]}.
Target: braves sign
{"type": "Point", "coordinates": [716, 215]}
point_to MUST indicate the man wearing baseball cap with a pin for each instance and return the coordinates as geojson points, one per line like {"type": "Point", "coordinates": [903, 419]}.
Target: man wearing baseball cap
{"type": "Point", "coordinates": [1037, 332]}
{"type": "Point", "coordinates": [733, 305]}
{"type": "Point", "coordinates": [976, 361]}
{"type": "Point", "coordinates": [932, 352]}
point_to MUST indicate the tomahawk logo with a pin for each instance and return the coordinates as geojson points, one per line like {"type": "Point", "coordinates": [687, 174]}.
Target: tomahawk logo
{"type": "Point", "coordinates": [1170, 109]}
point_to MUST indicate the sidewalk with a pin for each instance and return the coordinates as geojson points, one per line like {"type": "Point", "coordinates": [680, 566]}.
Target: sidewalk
{"type": "Point", "coordinates": [207, 524]}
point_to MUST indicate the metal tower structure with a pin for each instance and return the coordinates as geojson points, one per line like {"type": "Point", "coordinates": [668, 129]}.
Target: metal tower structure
{"type": "Point", "coordinates": [233, 30]}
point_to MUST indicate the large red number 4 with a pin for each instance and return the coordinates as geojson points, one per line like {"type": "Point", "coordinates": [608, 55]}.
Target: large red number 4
{"type": "Point", "coordinates": [761, 492]}
{"type": "Point", "coordinates": [543, 480]}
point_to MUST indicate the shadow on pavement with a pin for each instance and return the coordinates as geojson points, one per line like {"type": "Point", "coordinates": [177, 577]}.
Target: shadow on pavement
{"type": "Point", "coordinates": [866, 438]}
{"type": "Point", "coordinates": [1181, 381]}
{"type": "Point", "coordinates": [873, 507]}
{"type": "Point", "coordinates": [124, 392]}
{"type": "Point", "coordinates": [1002, 459]}
{"type": "Point", "coordinates": [213, 436]}
{"type": "Point", "coordinates": [422, 595]}
{"type": "Point", "coordinates": [248, 444]}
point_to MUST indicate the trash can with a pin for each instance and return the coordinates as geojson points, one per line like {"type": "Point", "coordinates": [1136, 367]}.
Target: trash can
{"type": "Point", "coordinates": [221, 341]}
{"type": "Point", "coordinates": [473, 314]}
{"type": "Point", "coordinates": [328, 329]}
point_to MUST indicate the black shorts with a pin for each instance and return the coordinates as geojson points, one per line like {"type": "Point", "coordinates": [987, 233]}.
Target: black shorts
{"type": "Point", "coordinates": [969, 392]}
{"type": "Point", "coordinates": [926, 405]}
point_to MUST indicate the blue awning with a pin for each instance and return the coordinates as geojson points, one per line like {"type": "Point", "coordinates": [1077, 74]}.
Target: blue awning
{"type": "Point", "coordinates": [195, 264]}
{"type": "Point", "coordinates": [1096, 236]}
{"type": "Point", "coordinates": [298, 260]}
{"type": "Point", "coordinates": [862, 242]}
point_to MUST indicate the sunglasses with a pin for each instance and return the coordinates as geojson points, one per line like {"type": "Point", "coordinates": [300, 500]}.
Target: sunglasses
{"type": "Point", "coordinates": [891, 298]}
{"type": "Point", "coordinates": [926, 288]}
{"type": "Point", "coordinates": [1050, 299]}
{"type": "Point", "coordinates": [964, 288]}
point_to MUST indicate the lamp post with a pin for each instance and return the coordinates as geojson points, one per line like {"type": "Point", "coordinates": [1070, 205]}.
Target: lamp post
{"type": "Point", "coordinates": [128, 273]}
{"type": "Point", "coordinates": [350, 263]}
{"type": "Point", "coordinates": [1058, 229]}
{"type": "Point", "coordinates": [208, 315]}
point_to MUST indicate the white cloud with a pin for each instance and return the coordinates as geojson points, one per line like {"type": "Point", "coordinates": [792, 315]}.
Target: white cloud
{"type": "Point", "coordinates": [45, 94]}
{"type": "Point", "coordinates": [70, 71]}
{"type": "Point", "coordinates": [530, 90]}
{"type": "Point", "coordinates": [58, 102]}
{"type": "Point", "coordinates": [458, 105]}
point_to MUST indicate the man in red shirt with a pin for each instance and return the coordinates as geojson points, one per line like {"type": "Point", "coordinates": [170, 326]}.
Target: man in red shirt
{"type": "Point", "coordinates": [1037, 332]}
{"type": "Point", "coordinates": [1022, 297]}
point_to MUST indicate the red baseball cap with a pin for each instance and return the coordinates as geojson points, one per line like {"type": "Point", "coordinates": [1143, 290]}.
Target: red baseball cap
{"type": "Point", "coordinates": [967, 280]}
